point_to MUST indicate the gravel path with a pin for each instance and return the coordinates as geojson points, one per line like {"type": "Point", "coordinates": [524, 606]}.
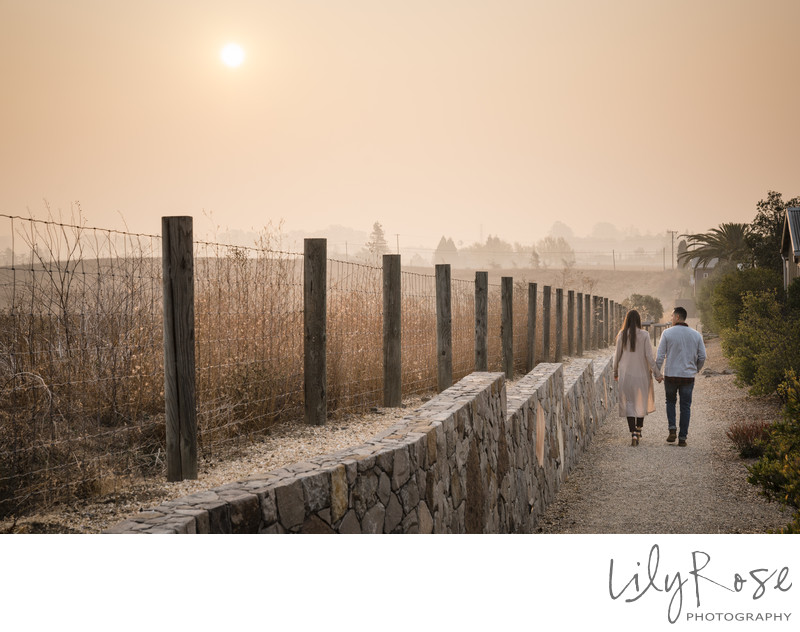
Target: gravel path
{"type": "Point", "coordinates": [658, 487]}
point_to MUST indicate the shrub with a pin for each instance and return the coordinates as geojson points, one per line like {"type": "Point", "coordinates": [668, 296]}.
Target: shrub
{"type": "Point", "coordinates": [778, 470]}
{"type": "Point", "coordinates": [748, 436]}
{"type": "Point", "coordinates": [649, 307]}
{"type": "Point", "coordinates": [793, 297]}
{"type": "Point", "coordinates": [705, 292]}
{"type": "Point", "coordinates": [726, 295]}
{"type": "Point", "coordinates": [764, 343]}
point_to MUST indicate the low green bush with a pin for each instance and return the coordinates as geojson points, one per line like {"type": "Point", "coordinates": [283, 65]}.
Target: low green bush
{"type": "Point", "coordinates": [778, 470]}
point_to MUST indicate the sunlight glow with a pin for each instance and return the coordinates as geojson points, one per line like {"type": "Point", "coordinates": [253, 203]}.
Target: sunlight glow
{"type": "Point", "coordinates": [232, 55]}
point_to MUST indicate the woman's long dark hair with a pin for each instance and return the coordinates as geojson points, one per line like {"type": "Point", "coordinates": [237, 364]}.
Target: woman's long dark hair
{"type": "Point", "coordinates": [632, 322]}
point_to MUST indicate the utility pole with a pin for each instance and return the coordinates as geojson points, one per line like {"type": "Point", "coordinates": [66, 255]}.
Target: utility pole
{"type": "Point", "coordinates": [673, 233]}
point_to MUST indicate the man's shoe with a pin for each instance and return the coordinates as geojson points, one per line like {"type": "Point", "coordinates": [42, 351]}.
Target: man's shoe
{"type": "Point", "coordinates": [673, 434]}
{"type": "Point", "coordinates": [682, 443]}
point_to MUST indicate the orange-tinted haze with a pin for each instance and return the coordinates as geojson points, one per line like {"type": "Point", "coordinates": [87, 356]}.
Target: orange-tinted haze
{"type": "Point", "coordinates": [434, 117]}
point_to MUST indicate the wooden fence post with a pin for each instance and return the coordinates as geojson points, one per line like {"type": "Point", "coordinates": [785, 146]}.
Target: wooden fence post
{"type": "Point", "coordinates": [602, 340]}
{"type": "Point", "coordinates": [559, 324]}
{"type": "Point", "coordinates": [481, 321]}
{"type": "Point", "coordinates": [600, 323]}
{"type": "Point", "coordinates": [444, 327]}
{"type": "Point", "coordinates": [179, 367]}
{"type": "Point", "coordinates": [392, 373]}
{"type": "Point", "coordinates": [579, 314]}
{"type": "Point", "coordinates": [606, 324]}
{"type": "Point", "coordinates": [546, 323]}
{"type": "Point", "coordinates": [315, 324]}
{"type": "Point", "coordinates": [531, 346]}
{"type": "Point", "coordinates": [612, 321]}
{"type": "Point", "coordinates": [507, 326]}
{"type": "Point", "coordinates": [595, 322]}
{"type": "Point", "coordinates": [571, 323]}
{"type": "Point", "coordinates": [587, 322]}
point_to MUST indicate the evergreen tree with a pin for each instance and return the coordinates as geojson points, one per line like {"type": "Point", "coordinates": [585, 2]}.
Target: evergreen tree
{"type": "Point", "coordinates": [682, 247]}
{"type": "Point", "coordinates": [446, 251]}
{"type": "Point", "coordinates": [377, 245]}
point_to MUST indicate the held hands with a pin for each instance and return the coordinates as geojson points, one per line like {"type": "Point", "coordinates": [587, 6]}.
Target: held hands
{"type": "Point", "coordinates": [659, 379]}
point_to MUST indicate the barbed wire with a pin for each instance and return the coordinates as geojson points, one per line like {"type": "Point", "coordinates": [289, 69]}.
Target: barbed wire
{"type": "Point", "coordinates": [80, 226]}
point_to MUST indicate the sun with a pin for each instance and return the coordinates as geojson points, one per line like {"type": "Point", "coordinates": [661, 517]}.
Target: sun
{"type": "Point", "coordinates": [232, 55]}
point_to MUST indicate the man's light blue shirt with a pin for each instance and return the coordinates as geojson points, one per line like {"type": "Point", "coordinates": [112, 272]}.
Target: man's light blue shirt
{"type": "Point", "coordinates": [684, 351]}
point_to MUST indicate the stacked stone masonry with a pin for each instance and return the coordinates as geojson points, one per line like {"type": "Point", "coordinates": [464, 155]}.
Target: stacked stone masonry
{"type": "Point", "coordinates": [474, 459]}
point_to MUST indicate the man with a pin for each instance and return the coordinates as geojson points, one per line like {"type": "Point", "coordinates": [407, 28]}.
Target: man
{"type": "Point", "coordinates": [685, 355]}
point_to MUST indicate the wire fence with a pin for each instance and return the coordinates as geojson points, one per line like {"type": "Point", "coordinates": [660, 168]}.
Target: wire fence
{"type": "Point", "coordinates": [462, 305]}
{"type": "Point", "coordinates": [418, 332]}
{"type": "Point", "coordinates": [81, 351]}
{"type": "Point", "coordinates": [248, 342]}
{"type": "Point", "coordinates": [81, 404]}
{"type": "Point", "coordinates": [355, 336]}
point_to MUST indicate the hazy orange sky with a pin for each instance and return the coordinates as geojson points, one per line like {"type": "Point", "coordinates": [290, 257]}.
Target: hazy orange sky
{"type": "Point", "coordinates": [433, 117]}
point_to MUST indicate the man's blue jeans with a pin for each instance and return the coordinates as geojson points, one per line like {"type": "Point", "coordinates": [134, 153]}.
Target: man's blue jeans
{"type": "Point", "coordinates": [673, 390]}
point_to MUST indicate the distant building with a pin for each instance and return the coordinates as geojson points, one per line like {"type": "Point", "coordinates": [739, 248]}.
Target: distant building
{"type": "Point", "coordinates": [790, 246]}
{"type": "Point", "coordinates": [700, 273]}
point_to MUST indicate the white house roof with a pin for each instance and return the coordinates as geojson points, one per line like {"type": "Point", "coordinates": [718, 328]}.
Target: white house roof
{"type": "Point", "coordinates": [791, 232]}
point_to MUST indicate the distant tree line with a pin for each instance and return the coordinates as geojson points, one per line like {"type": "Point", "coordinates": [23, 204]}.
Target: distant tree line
{"type": "Point", "coordinates": [496, 253]}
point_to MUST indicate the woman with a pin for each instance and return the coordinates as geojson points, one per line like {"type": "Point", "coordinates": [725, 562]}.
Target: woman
{"type": "Point", "coordinates": [634, 366]}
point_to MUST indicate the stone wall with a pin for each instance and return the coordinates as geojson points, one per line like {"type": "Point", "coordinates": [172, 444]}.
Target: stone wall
{"type": "Point", "coordinates": [474, 459]}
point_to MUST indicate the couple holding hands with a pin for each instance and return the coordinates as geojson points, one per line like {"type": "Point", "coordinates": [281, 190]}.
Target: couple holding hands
{"type": "Point", "coordinates": [634, 366]}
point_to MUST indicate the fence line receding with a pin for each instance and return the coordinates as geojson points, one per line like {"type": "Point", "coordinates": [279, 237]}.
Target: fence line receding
{"type": "Point", "coordinates": [82, 405]}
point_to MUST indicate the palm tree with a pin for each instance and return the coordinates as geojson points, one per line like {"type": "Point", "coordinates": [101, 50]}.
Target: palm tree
{"type": "Point", "coordinates": [728, 243]}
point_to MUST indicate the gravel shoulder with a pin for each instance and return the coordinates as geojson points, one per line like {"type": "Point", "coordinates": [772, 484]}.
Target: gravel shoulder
{"type": "Point", "coordinates": [658, 487]}
{"type": "Point", "coordinates": [655, 488]}
{"type": "Point", "coordinates": [287, 443]}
